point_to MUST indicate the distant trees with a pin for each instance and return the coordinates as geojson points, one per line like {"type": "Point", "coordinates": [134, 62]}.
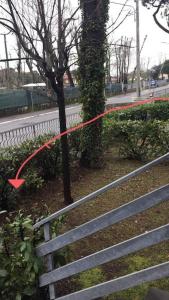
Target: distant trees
{"type": "Point", "coordinates": [162, 10]}
{"type": "Point", "coordinates": [123, 56]}
{"type": "Point", "coordinates": [160, 70]}
{"type": "Point", "coordinates": [118, 51]}
{"type": "Point", "coordinates": [155, 72]}
{"type": "Point", "coordinates": [165, 68]}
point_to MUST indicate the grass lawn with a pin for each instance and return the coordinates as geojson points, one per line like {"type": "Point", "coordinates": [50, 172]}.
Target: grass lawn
{"type": "Point", "coordinates": [85, 181]}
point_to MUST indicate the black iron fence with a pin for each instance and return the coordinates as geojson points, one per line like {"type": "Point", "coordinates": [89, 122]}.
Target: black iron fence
{"type": "Point", "coordinates": [17, 136]}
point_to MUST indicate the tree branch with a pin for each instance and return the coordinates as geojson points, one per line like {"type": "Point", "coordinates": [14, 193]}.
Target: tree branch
{"type": "Point", "coordinates": [118, 24]}
{"type": "Point", "coordinates": [156, 20]}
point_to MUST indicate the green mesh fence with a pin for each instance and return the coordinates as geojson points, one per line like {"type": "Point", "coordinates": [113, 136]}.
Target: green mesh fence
{"type": "Point", "coordinates": [13, 99]}
{"type": "Point", "coordinates": [21, 98]}
{"type": "Point", "coordinates": [10, 99]}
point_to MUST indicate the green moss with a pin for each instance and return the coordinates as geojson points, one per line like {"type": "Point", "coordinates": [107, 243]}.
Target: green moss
{"type": "Point", "coordinates": [135, 264]}
{"type": "Point", "coordinates": [90, 278]}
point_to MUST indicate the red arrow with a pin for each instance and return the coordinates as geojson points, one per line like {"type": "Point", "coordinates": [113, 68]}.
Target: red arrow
{"type": "Point", "coordinates": [17, 183]}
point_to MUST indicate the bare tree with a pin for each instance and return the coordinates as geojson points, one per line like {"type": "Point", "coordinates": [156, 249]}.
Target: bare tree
{"type": "Point", "coordinates": [119, 19]}
{"type": "Point", "coordinates": [123, 54]}
{"type": "Point", "coordinates": [19, 64]}
{"type": "Point", "coordinates": [30, 67]}
{"type": "Point", "coordinates": [113, 46]}
{"type": "Point", "coordinates": [44, 30]}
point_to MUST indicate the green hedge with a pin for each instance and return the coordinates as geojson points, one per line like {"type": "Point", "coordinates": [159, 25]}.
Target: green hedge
{"type": "Point", "coordinates": [136, 140]}
{"type": "Point", "coordinates": [45, 166]}
{"type": "Point", "coordinates": [153, 111]}
{"type": "Point", "coordinates": [42, 167]}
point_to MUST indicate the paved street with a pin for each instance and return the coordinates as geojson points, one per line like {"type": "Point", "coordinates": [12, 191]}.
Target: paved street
{"type": "Point", "coordinates": [18, 121]}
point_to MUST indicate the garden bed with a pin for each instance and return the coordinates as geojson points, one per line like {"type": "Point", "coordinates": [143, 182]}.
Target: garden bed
{"type": "Point", "coordinates": [88, 181]}
{"type": "Point", "coordinates": [139, 134]}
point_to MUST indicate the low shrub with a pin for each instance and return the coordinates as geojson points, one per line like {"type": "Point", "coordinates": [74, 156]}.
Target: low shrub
{"type": "Point", "coordinates": [20, 267]}
{"type": "Point", "coordinates": [46, 161]}
{"type": "Point", "coordinates": [45, 166]}
{"type": "Point", "coordinates": [75, 143]}
{"type": "Point", "coordinates": [152, 111]}
{"type": "Point", "coordinates": [144, 141]}
{"type": "Point", "coordinates": [138, 139]}
{"type": "Point", "coordinates": [8, 195]}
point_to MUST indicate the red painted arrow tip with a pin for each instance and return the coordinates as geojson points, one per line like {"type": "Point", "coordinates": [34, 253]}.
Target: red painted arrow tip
{"type": "Point", "coordinates": [16, 183]}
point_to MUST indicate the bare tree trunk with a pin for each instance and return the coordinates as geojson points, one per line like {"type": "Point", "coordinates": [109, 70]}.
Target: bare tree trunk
{"type": "Point", "coordinates": [70, 78]}
{"type": "Point", "coordinates": [19, 65]}
{"type": "Point", "coordinates": [7, 64]}
{"type": "Point", "coordinates": [29, 64]}
{"type": "Point", "coordinates": [64, 146]}
{"type": "Point", "coordinates": [62, 114]}
{"type": "Point", "coordinates": [59, 90]}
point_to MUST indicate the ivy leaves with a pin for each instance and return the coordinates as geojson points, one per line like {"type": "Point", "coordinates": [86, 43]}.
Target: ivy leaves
{"type": "Point", "coordinates": [20, 267]}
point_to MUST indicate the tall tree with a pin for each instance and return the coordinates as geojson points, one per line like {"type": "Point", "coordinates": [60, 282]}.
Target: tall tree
{"type": "Point", "coordinates": [46, 36]}
{"type": "Point", "coordinates": [92, 56]}
{"type": "Point", "coordinates": [155, 72]}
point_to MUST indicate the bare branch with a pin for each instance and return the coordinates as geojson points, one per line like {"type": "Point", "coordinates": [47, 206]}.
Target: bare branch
{"type": "Point", "coordinates": [119, 24]}
{"type": "Point", "coordinates": [119, 15]}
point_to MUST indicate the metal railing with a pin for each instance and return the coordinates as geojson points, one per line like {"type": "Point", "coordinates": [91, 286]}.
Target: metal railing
{"type": "Point", "coordinates": [17, 136]}
{"type": "Point", "coordinates": [114, 216]}
{"type": "Point", "coordinates": [163, 92]}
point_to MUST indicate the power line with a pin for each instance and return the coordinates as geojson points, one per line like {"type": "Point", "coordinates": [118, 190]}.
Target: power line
{"type": "Point", "coordinates": [127, 46]}
{"type": "Point", "coordinates": [13, 59]}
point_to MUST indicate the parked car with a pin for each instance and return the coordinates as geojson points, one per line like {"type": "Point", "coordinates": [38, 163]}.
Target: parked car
{"type": "Point", "coordinates": [153, 83]}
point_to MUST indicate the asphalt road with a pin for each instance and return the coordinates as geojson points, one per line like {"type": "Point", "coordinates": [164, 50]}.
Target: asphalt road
{"type": "Point", "coordinates": [18, 121]}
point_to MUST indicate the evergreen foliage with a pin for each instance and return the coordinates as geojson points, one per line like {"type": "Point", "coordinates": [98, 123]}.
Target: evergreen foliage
{"type": "Point", "coordinates": [92, 77]}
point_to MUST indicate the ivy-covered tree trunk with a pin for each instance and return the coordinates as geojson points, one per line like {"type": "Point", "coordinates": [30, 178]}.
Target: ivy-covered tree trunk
{"type": "Point", "coordinates": [92, 77]}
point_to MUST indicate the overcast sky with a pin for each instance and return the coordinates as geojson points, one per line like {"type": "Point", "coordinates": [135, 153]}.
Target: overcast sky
{"type": "Point", "coordinates": [153, 49]}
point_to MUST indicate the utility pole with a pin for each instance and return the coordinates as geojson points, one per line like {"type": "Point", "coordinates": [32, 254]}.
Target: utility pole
{"type": "Point", "coordinates": [135, 69]}
{"type": "Point", "coordinates": [7, 62]}
{"type": "Point", "coordinates": [138, 47]}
